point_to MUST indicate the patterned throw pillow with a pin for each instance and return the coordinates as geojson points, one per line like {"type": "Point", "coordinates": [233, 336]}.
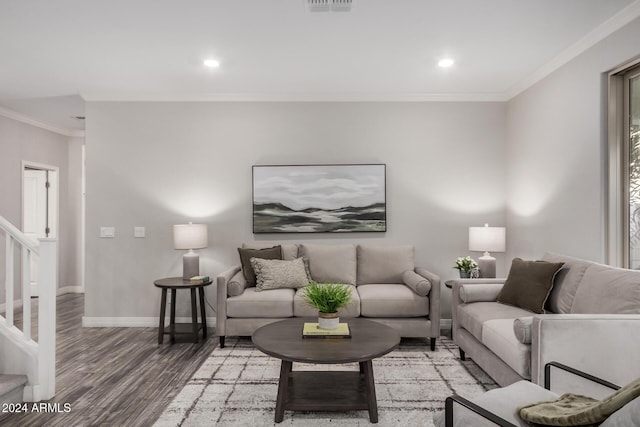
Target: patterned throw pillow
{"type": "Point", "coordinates": [276, 274]}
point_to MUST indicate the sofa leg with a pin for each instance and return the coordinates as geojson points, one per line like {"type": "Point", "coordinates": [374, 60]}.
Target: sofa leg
{"type": "Point", "coordinates": [222, 341]}
{"type": "Point", "coordinates": [462, 354]}
{"type": "Point", "coordinates": [433, 343]}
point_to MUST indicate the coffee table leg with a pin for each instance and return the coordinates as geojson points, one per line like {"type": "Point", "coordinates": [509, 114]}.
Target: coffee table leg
{"type": "Point", "coordinates": [370, 386]}
{"type": "Point", "coordinates": [283, 383]}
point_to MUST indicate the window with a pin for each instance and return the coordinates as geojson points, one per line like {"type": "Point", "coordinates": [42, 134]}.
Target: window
{"type": "Point", "coordinates": [623, 232]}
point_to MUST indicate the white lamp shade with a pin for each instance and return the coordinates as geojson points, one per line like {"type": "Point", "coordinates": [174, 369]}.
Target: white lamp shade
{"type": "Point", "coordinates": [190, 236]}
{"type": "Point", "coordinates": [487, 239]}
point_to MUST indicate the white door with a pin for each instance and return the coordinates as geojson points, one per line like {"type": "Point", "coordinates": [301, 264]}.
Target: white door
{"type": "Point", "coordinates": [39, 210]}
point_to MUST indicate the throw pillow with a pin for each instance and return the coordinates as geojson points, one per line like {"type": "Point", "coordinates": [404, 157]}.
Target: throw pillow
{"type": "Point", "coordinates": [576, 410]}
{"type": "Point", "coordinates": [528, 284]}
{"type": "Point", "coordinates": [522, 329]}
{"type": "Point", "coordinates": [276, 274]}
{"type": "Point", "coordinates": [416, 283]}
{"type": "Point", "coordinates": [245, 259]}
{"type": "Point", "coordinates": [236, 285]}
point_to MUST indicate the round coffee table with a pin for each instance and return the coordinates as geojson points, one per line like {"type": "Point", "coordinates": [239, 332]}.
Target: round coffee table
{"type": "Point", "coordinates": [326, 390]}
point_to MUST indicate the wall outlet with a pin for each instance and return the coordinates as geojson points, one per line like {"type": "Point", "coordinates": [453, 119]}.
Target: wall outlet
{"type": "Point", "coordinates": [138, 231]}
{"type": "Point", "coordinates": [107, 232]}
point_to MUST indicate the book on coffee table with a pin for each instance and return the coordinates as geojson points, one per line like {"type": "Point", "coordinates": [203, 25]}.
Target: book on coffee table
{"type": "Point", "coordinates": [312, 330]}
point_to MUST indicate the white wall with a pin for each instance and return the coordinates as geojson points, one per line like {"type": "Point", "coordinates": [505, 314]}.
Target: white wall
{"type": "Point", "coordinates": [159, 164]}
{"type": "Point", "coordinates": [20, 141]}
{"type": "Point", "coordinates": [556, 155]}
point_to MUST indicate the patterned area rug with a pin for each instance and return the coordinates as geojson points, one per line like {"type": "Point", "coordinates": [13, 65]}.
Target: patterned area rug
{"type": "Point", "coordinates": [237, 386]}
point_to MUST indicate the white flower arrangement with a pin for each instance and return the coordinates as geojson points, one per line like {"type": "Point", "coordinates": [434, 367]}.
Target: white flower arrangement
{"type": "Point", "coordinates": [465, 264]}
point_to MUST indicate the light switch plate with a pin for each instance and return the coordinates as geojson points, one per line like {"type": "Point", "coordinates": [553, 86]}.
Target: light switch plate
{"type": "Point", "coordinates": [138, 231]}
{"type": "Point", "coordinates": [107, 232]}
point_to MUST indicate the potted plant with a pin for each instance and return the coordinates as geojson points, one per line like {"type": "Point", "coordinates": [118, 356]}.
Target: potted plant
{"type": "Point", "coordinates": [466, 265]}
{"type": "Point", "coordinates": [327, 298]}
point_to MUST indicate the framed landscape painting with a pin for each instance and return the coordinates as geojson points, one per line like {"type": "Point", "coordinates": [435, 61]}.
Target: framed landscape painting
{"type": "Point", "coordinates": [319, 198]}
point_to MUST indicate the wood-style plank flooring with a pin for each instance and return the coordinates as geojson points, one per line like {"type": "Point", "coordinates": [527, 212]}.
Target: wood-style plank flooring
{"type": "Point", "coordinates": [112, 376]}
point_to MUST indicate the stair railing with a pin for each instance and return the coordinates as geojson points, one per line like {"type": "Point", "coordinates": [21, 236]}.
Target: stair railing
{"type": "Point", "coordinates": [39, 361]}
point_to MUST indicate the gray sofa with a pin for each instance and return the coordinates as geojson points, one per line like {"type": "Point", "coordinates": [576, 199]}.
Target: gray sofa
{"type": "Point", "coordinates": [374, 274]}
{"type": "Point", "coordinates": [592, 324]}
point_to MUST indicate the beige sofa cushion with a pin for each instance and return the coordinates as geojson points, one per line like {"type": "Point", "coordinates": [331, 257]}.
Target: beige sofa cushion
{"type": "Point", "coordinates": [472, 316]}
{"type": "Point", "coordinates": [483, 292]}
{"type": "Point", "coordinates": [271, 303]}
{"type": "Point", "coordinates": [498, 336]}
{"type": "Point", "coordinates": [331, 263]}
{"type": "Point", "coordinates": [566, 282]}
{"type": "Point", "coordinates": [391, 300]}
{"type": "Point", "coordinates": [608, 290]}
{"type": "Point", "coordinates": [384, 264]}
{"type": "Point", "coordinates": [302, 309]}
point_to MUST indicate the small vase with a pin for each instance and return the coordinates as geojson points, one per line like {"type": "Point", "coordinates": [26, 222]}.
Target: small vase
{"type": "Point", "coordinates": [328, 320]}
{"type": "Point", "coordinates": [464, 274]}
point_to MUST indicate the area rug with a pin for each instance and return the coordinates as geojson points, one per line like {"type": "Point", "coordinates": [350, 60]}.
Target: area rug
{"type": "Point", "coordinates": [237, 386]}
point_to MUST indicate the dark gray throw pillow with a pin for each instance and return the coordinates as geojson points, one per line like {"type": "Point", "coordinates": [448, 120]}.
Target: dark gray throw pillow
{"type": "Point", "coordinates": [245, 259]}
{"type": "Point", "coordinates": [529, 283]}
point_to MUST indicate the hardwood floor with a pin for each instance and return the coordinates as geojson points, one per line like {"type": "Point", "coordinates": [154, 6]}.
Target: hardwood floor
{"type": "Point", "coordinates": [112, 376]}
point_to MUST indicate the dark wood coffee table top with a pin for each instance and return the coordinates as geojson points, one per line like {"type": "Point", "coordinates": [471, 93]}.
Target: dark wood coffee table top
{"type": "Point", "coordinates": [368, 341]}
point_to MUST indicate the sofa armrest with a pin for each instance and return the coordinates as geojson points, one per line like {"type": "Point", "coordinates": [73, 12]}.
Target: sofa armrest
{"type": "Point", "coordinates": [221, 303]}
{"type": "Point", "coordinates": [605, 345]}
{"type": "Point", "coordinates": [434, 299]}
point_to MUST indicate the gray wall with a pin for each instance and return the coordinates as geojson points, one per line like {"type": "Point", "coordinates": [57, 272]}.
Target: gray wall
{"type": "Point", "coordinates": [159, 164]}
{"type": "Point", "coordinates": [556, 158]}
{"type": "Point", "coordinates": [18, 142]}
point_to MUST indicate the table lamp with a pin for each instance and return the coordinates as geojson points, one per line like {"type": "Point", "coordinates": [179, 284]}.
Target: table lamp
{"type": "Point", "coordinates": [190, 236]}
{"type": "Point", "coordinates": [487, 239]}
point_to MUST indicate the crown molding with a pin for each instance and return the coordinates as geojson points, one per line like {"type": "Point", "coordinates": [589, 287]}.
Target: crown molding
{"type": "Point", "coordinates": [14, 115]}
{"type": "Point", "coordinates": [295, 97]}
{"type": "Point", "coordinates": [595, 36]}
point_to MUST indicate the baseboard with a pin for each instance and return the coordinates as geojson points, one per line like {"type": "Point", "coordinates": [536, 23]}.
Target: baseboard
{"type": "Point", "coordinates": [60, 291]}
{"type": "Point", "coordinates": [70, 290]}
{"type": "Point", "coordinates": [134, 322]}
{"type": "Point", "coordinates": [445, 324]}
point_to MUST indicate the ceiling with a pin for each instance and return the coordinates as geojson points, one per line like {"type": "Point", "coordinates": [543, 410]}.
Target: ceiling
{"type": "Point", "coordinates": [55, 55]}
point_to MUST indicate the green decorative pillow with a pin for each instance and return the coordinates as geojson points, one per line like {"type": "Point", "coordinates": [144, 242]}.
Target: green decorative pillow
{"type": "Point", "coordinates": [576, 410]}
{"type": "Point", "coordinates": [528, 284]}
{"type": "Point", "coordinates": [245, 259]}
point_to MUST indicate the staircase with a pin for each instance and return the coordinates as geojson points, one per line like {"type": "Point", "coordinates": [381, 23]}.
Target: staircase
{"type": "Point", "coordinates": [27, 367]}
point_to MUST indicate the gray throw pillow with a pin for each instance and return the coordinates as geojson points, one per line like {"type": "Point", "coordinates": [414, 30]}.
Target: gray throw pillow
{"type": "Point", "coordinates": [276, 274]}
{"type": "Point", "coordinates": [416, 283]}
{"type": "Point", "coordinates": [628, 415]}
{"type": "Point", "coordinates": [236, 285]}
{"type": "Point", "coordinates": [528, 284]}
{"type": "Point", "coordinates": [245, 259]}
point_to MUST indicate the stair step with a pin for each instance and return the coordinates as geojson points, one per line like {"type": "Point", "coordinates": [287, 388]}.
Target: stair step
{"type": "Point", "coordinates": [11, 387]}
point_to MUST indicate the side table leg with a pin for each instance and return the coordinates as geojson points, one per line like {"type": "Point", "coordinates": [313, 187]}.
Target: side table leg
{"type": "Point", "coordinates": [370, 386]}
{"type": "Point", "coordinates": [172, 318]}
{"type": "Point", "coordinates": [203, 313]}
{"type": "Point", "coordinates": [194, 315]}
{"type": "Point", "coordinates": [283, 385]}
{"type": "Point", "coordinates": [163, 308]}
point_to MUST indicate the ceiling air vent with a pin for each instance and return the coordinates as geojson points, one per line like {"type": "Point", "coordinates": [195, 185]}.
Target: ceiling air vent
{"type": "Point", "coordinates": [329, 5]}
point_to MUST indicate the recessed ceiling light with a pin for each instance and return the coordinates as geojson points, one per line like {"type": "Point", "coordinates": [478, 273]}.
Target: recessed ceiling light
{"type": "Point", "coordinates": [211, 63]}
{"type": "Point", "coordinates": [445, 63]}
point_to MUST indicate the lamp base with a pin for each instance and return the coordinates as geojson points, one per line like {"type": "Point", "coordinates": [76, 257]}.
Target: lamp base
{"type": "Point", "coordinates": [190, 265]}
{"type": "Point", "coordinates": [487, 266]}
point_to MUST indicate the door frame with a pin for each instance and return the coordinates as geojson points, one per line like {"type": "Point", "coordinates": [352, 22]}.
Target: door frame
{"type": "Point", "coordinates": [26, 164]}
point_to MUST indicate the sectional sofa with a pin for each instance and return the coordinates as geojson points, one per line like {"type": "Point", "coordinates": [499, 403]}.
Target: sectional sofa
{"type": "Point", "coordinates": [592, 323]}
{"type": "Point", "coordinates": [385, 284]}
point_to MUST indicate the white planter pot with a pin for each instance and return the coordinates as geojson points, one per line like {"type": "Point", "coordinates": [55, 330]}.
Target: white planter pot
{"type": "Point", "coordinates": [328, 320]}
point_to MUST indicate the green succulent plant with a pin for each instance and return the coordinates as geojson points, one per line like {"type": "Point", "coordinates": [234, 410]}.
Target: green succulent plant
{"type": "Point", "coordinates": [327, 297]}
